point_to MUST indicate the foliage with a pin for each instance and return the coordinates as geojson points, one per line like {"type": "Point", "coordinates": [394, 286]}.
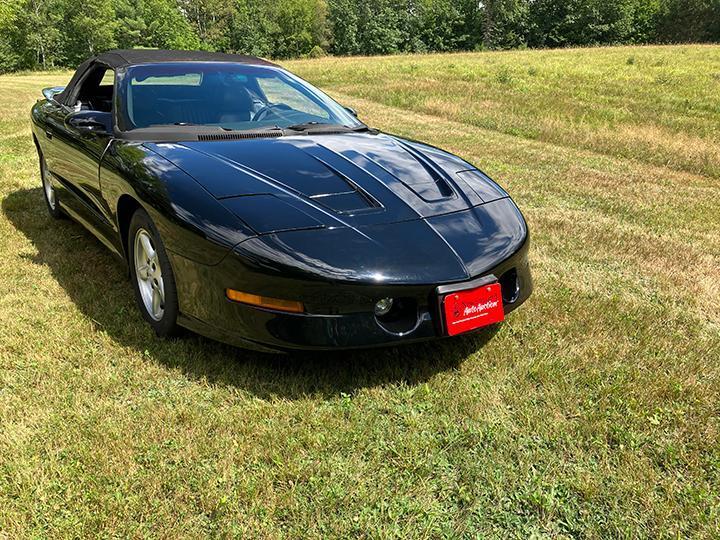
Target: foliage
{"type": "Point", "coordinates": [47, 33]}
{"type": "Point", "coordinates": [88, 28]}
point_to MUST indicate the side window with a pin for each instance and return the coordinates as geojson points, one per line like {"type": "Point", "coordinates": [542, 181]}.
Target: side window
{"type": "Point", "coordinates": [278, 91]}
{"type": "Point", "coordinates": [96, 90]}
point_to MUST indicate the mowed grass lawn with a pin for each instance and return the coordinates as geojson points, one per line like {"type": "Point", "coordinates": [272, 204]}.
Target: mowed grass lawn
{"type": "Point", "coordinates": [593, 411]}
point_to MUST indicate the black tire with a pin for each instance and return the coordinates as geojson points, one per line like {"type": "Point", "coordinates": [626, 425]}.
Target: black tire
{"type": "Point", "coordinates": [49, 193]}
{"type": "Point", "coordinates": [164, 325]}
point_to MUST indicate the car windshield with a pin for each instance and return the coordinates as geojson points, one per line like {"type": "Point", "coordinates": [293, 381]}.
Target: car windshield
{"type": "Point", "coordinates": [224, 95]}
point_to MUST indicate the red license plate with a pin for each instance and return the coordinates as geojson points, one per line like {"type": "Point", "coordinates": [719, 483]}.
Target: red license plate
{"type": "Point", "coordinates": [468, 310]}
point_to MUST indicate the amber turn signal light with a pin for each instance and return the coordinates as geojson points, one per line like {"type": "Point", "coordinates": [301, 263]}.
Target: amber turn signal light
{"type": "Point", "coordinates": [266, 302]}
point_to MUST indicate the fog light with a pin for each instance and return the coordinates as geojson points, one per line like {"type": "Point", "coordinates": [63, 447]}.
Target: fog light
{"type": "Point", "coordinates": [383, 307]}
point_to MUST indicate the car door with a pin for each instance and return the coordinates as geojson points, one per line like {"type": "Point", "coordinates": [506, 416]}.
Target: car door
{"type": "Point", "coordinates": [79, 142]}
{"type": "Point", "coordinates": [48, 137]}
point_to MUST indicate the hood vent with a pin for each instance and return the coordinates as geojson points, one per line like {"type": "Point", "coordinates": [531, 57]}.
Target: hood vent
{"type": "Point", "coordinates": [234, 136]}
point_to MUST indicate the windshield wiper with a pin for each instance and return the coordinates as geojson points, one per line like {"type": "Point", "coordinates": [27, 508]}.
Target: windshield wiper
{"type": "Point", "coordinates": [320, 127]}
{"type": "Point", "coordinates": [305, 126]}
{"type": "Point", "coordinates": [264, 129]}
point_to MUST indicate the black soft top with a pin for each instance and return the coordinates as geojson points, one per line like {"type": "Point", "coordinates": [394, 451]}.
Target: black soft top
{"type": "Point", "coordinates": [129, 57]}
{"type": "Point", "coordinates": [119, 58]}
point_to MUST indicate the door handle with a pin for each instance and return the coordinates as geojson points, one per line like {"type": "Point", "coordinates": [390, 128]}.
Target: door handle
{"type": "Point", "coordinates": [48, 134]}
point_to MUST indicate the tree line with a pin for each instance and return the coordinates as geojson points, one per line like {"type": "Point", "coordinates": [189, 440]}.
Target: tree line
{"type": "Point", "coordinates": [57, 33]}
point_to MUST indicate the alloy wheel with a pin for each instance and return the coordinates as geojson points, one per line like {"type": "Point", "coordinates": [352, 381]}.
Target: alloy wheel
{"type": "Point", "coordinates": [149, 275]}
{"type": "Point", "coordinates": [47, 184]}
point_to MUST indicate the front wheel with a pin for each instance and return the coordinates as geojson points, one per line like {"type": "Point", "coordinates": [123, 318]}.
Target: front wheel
{"type": "Point", "coordinates": [152, 276]}
{"type": "Point", "coordinates": [49, 194]}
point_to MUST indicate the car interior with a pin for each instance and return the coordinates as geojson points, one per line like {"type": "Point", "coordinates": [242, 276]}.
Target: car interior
{"type": "Point", "coordinates": [207, 103]}
{"type": "Point", "coordinates": [96, 90]}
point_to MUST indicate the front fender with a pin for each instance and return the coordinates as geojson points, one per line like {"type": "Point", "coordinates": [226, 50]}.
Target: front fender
{"type": "Point", "coordinates": [190, 221]}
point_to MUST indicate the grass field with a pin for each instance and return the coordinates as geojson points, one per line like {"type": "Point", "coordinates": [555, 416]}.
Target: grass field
{"type": "Point", "coordinates": [593, 411]}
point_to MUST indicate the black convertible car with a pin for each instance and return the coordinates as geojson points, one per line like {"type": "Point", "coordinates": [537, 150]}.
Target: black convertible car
{"type": "Point", "coordinates": [252, 208]}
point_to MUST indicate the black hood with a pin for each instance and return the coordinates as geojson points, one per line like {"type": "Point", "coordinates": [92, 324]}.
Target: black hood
{"type": "Point", "coordinates": [331, 180]}
{"type": "Point", "coordinates": [357, 207]}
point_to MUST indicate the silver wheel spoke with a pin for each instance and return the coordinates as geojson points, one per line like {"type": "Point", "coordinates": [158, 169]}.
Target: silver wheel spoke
{"type": "Point", "coordinates": [147, 246]}
{"type": "Point", "coordinates": [144, 272]}
{"type": "Point", "coordinates": [156, 302]}
{"type": "Point", "coordinates": [157, 288]}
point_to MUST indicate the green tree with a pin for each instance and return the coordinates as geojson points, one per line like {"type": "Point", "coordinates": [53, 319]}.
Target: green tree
{"type": "Point", "coordinates": [645, 16]}
{"type": "Point", "coordinates": [88, 29]}
{"type": "Point", "coordinates": [131, 29]}
{"type": "Point", "coordinates": [278, 28]}
{"type": "Point", "coordinates": [343, 21]}
{"type": "Point", "coordinates": [299, 25]}
{"type": "Point", "coordinates": [433, 25]}
{"type": "Point", "coordinates": [167, 27]}
{"type": "Point", "coordinates": [10, 55]}
{"type": "Point", "coordinates": [505, 24]}
{"type": "Point", "coordinates": [30, 34]}
{"type": "Point", "coordinates": [210, 21]}
{"type": "Point", "coordinates": [683, 21]}
{"type": "Point", "coordinates": [247, 30]}
{"type": "Point", "coordinates": [380, 28]}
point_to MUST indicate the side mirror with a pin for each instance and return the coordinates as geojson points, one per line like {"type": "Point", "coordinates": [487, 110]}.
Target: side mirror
{"type": "Point", "coordinates": [351, 111]}
{"type": "Point", "coordinates": [97, 122]}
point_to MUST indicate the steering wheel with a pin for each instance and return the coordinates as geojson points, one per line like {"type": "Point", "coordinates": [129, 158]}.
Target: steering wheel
{"type": "Point", "coordinates": [263, 112]}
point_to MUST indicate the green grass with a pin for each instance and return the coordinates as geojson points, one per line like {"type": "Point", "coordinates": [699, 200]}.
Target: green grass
{"type": "Point", "coordinates": [593, 411]}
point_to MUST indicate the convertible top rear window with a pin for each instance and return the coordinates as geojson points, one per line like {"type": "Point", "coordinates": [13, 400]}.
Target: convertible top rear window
{"type": "Point", "coordinates": [231, 96]}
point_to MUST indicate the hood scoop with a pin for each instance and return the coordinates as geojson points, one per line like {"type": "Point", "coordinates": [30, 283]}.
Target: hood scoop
{"type": "Point", "coordinates": [434, 186]}
{"type": "Point", "coordinates": [348, 200]}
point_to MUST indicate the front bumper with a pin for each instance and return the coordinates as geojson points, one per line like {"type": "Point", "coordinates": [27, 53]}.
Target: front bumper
{"type": "Point", "coordinates": [340, 315]}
